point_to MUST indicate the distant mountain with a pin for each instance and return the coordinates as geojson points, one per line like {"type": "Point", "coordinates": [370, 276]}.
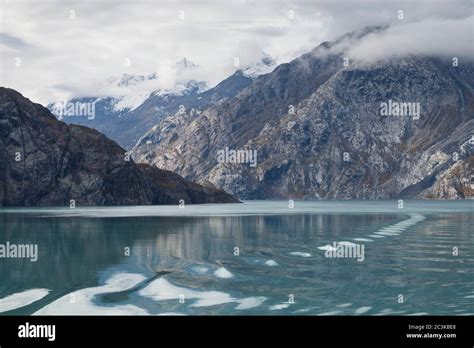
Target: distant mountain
{"type": "Point", "coordinates": [133, 96]}
{"type": "Point", "coordinates": [127, 118]}
{"type": "Point", "coordinates": [322, 126]}
{"type": "Point", "coordinates": [46, 162]}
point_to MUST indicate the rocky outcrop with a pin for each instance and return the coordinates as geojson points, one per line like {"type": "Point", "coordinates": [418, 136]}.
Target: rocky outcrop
{"type": "Point", "coordinates": [45, 162]}
{"type": "Point", "coordinates": [457, 182]}
{"type": "Point", "coordinates": [319, 131]}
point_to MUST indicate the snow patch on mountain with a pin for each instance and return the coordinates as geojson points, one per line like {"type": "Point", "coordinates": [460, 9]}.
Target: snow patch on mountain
{"type": "Point", "coordinates": [262, 67]}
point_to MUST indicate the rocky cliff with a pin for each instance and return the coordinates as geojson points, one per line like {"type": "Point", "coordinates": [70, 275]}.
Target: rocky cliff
{"type": "Point", "coordinates": [45, 162]}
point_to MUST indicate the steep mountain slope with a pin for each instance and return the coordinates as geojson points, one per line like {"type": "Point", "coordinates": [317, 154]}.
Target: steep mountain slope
{"type": "Point", "coordinates": [158, 106]}
{"type": "Point", "coordinates": [47, 162]}
{"type": "Point", "coordinates": [318, 129]}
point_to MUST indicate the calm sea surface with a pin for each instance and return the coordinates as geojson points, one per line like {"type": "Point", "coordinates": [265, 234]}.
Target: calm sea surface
{"type": "Point", "coordinates": [260, 257]}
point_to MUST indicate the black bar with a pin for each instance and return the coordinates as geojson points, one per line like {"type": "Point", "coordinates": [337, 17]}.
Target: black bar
{"type": "Point", "coordinates": [224, 330]}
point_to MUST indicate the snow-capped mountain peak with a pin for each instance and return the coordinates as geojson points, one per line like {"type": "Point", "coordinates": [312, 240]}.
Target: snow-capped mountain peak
{"type": "Point", "coordinates": [132, 90]}
{"type": "Point", "coordinates": [129, 80]}
{"type": "Point", "coordinates": [264, 66]}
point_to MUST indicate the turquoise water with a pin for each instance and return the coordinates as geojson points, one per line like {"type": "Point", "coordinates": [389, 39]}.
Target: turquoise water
{"type": "Point", "coordinates": [185, 261]}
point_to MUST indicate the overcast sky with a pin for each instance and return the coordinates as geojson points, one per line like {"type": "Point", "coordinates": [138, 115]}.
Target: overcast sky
{"type": "Point", "coordinates": [71, 48]}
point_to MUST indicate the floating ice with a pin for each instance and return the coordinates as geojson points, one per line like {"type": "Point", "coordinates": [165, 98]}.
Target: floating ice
{"type": "Point", "coordinates": [250, 302]}
{"type": "Point", "coordinates": [271, 263]}
{"type": "Point", "coordinates": [81, 302]}
{"type": "Point", "coordinates": [223, 273]}
{"type": "Point", "coordinates": [327, 247]}
{"type": "Point", "coordinates": [299, 253]}
{"type": "Point", "coordinates": [279, 306]}
{"type": "Point", "coordinates": [330, 313]}
{"type": "Point", "coordinates": [344, 305]}
{"type": "Point", "coordinates": [22, 299]}
{"type": "Point", "coordinates": [362, 310]}
{"type": "Point", "coordinates": [418, 313]}
{"type": "Point", "coordinates": [363, 240]}
{"type": "Point", "coordinates": [161, 289]}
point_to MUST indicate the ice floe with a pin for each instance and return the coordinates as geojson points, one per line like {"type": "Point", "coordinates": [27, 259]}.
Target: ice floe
{"type": "Point", "coordinates": [271, 263]}
{"type": "Point", "coordinates": [250, 302]}
{"type": "Point", "coordinates": [362, 310]}
{"type": "Point", "coordinates": [81, 302]}
{"type": "Point", "coordinates": [161, 290]}
{"type": "Point", "coordinates": [21, 299]}
{"type": "Point", "coordinates": [299, 253]}
{"type": "Point", "coordinates": [279, 306]}
{"type": "Point", "coordinates": [223, 273]}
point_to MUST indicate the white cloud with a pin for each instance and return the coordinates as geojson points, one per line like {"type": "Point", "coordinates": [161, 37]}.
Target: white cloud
{"type": "Point", "coordinates": [432, 37]}
{"type": "Point", "coordinates": [63, 57]}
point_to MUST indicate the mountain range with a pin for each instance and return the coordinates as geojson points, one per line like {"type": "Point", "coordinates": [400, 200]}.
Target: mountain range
{"type": "Point", "coordinates": [125, 119]}
{"type": "Point", "coordinates": [322, 126]}
{"type": "Point", "coordinates": [320, 129]}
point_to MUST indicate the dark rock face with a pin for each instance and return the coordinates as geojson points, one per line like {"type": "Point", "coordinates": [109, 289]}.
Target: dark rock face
{"type": "Point", "coordinates": [45, 162]}
{"type": "Point", "coordinates": [317, 127]}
